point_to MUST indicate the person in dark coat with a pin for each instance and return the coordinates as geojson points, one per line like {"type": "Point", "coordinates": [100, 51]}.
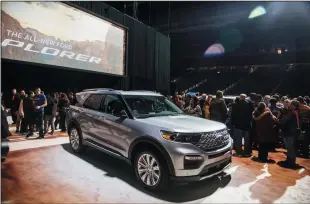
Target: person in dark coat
{"type": "Point", "coordinates": [29, 117]}
{"type": "Point", "coordinates": [202, 102]}
{"type": "Point", "coordinates": [289, 124]}
{"type": "Point", "coordinates": [57, 120]}
{"type": "Point", "coordinates": [255, 100]}
{"type": "Point", "coordinates": [71, 98]}
{"type": "Point", "coordinates": [241, 118]}
{"type": "Point", "coordinates": [304, 114]}
{"type": "Point", "coordinates": [275, 110]}
{"type": "Point", "coordinates": [5, 132]}
{"type": "Point", "coordinates": [50, 113]}
{"type": "Point", "coordinates": [233, 107]}
{"type": "Point", "coordinates": [15, 105]}
{"type": "Point", "coordinates": [265, 130]}
{"type": "Point", "coordinates": [218, 108]}
{"type": "Point", "coordinates": [63, 104]}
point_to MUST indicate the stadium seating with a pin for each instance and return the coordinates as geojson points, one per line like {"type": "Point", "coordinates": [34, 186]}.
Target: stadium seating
{"type": "Point", "coordinates": [263, 80]}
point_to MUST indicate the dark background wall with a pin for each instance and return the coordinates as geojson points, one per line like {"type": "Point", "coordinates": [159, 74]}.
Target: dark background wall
{"type": "Point", "coordinates": [195, 25]}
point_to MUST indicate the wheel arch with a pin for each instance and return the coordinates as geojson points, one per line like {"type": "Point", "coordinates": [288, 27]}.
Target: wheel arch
{"type": "Point", "coordinates": [71, 123]}
{"type": "Point", "coordinates": [153, 142]}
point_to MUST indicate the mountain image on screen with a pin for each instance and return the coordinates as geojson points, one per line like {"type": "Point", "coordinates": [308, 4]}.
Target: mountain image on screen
{"type": "Point", "coordinates": [109, 54]}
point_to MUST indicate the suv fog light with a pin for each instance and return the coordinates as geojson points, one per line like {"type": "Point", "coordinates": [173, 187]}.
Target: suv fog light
{"type": "Point", "coordinates": [193, 162]}
{"type": "Point", "coordinates": [194, 158]}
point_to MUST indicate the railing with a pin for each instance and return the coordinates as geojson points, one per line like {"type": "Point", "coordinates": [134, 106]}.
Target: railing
{"type": "Point", "coordinates": [196, 85]}
{"type": "Point", "coordinates": [283, 79]}
{"type": "Point", "coordinates": [237, 82]}
{"type": "Point", "coordinates": [232, 85]}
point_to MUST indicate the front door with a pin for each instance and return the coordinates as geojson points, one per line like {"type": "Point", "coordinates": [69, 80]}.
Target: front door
{"type": "Point", "coordinates": [112, 131]}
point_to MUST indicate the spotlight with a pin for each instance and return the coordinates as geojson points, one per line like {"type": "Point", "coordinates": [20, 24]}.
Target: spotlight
{"type": "Point", "coordinates": [214, 50]}
{"type": "Point", "coordinates": [258, 11]}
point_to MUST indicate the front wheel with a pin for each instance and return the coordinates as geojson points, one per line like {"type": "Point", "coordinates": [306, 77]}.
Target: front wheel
{"type": "Point", "coordinates": [151, 171]}
{"type": "Point", "coordinates": [76, 141]}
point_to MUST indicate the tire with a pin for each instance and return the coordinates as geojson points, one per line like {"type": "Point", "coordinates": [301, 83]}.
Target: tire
{"type": "Point", "coordinates": [76, 140]}
{"type": "Point", "coordinates": [159, 171]}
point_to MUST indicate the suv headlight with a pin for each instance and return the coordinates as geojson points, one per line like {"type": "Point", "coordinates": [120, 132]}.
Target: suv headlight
{"type": "Point", "coordinates": [181, 137]}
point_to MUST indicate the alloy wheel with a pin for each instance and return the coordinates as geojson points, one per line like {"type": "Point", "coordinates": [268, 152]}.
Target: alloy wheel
{"type": "Point", "coordinates": [148, 169]}
{"type": "Point", "coordinates": [74, 138]}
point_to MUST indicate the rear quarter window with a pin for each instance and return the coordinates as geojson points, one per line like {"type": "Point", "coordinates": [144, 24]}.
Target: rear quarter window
{"type": "Point", "coordinates": [93, 101]}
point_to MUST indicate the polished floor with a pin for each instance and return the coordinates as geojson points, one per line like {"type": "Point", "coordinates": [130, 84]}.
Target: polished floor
{"type": "Point", "coordinates": [46, 171]}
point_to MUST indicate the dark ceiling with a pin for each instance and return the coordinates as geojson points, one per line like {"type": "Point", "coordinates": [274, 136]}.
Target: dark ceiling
{"type": "Point", "coordinates": [194, 26]}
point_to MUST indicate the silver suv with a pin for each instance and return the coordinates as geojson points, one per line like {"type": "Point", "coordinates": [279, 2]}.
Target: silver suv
{"type": "Point", "coordinates": [151, 133]}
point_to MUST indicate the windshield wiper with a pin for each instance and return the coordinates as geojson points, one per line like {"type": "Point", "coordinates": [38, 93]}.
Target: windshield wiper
{"type": "Point", "coordinates": [159, 115]}
{"type": "Point", "coordinates": [173, 114]}
{"type": "Point", "coordinates": [146, 116]}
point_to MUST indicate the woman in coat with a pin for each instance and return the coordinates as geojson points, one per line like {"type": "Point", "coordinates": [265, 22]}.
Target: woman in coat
{"type": "Point", "coordinates": [265, 131]}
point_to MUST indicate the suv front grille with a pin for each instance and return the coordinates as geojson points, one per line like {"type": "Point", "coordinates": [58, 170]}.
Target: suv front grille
{"type": "Point", "coordinates": [213, 140]}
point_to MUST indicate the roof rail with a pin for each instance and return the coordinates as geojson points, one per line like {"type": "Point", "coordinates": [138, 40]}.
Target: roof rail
{"type": "Point", "coordinates": [144, 90]}
{"type": "Point", "coordinates": [98, 89]}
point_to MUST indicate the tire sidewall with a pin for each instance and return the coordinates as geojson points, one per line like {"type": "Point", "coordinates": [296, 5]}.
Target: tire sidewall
{"type": "Point", "coordinates": [161, 166]}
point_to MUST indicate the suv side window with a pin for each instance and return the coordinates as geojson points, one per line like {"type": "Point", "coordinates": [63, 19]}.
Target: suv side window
{"type": "Point", "coordinates": [113, 105]}
{"type": "Point", "coordinates": [93, 101]}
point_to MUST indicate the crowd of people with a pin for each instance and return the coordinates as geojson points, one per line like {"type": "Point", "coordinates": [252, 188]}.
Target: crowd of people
{"type": "Point", "coordinates": [256, 122]}
{"type": "Point", "coordinates": [36, 111]}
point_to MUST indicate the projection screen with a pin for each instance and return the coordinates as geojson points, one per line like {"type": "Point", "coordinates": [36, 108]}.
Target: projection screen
{"type": "Point", "coordinates": [55, 33]}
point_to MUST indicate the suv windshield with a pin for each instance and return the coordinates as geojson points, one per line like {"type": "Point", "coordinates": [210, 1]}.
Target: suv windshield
{"type": "Point", "coordinates": [151, 106]}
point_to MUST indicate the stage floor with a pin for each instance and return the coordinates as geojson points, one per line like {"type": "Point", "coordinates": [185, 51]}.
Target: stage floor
{"type": "Point", "coordinates": [46, 171]}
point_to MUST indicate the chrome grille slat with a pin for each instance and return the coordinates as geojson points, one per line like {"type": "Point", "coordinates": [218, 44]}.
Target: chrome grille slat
{"type": "Point", "coordinates": [213, 140]}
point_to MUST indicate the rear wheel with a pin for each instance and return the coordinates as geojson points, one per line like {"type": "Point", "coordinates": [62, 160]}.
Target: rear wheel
{"type": "Point", "coordinates": [76, 140]}
{"type": "Point", "coordinates": [151, 170]}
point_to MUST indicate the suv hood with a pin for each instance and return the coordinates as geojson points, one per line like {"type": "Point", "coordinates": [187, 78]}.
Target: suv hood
{"type": "Point", "coordinates": [183, 123]}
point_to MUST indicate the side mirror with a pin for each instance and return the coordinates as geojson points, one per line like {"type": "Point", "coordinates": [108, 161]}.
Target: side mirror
{"type": "Point", "coordinates": [123, 114]}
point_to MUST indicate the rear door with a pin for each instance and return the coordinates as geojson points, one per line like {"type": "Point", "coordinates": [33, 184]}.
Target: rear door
{"type": "Point", "coordinates": [89, 115]}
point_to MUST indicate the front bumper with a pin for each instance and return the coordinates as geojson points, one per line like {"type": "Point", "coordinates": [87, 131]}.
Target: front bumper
{"type": "Point", "coordinates": [207, 172]}
{"type": "Point", "coordinates": [220, 159]}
